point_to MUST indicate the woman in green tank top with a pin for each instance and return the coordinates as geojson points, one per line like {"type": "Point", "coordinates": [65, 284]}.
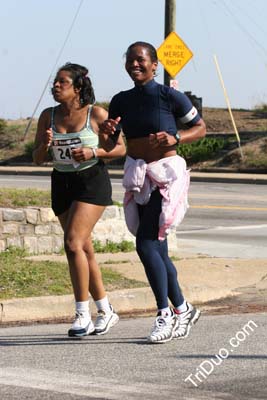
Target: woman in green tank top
{"type": "Point", "coordinates": [80, 186]}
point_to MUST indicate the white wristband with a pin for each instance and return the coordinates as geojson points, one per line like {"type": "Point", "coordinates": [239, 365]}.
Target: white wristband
{"type": "Point", "coordinates": [94, 151]}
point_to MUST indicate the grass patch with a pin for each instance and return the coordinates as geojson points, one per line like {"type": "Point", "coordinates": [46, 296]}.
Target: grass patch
{"type": "Point", "coordinates": [175, 258]}
{"type": "Point", "coordinates": [24, 198]}
{"type": "Point", "coordinates": [252, 162]}
{"type": "Point", "coordinates": [21, 277]}
{"type": "Point", "coordinates": [113, 280]}
{"type": "Point", "coordinates": [11, 198]}
{"type": "Point", "coordinates": [111, 247]}
{"type": "Point", "coordinates": [109, 262]}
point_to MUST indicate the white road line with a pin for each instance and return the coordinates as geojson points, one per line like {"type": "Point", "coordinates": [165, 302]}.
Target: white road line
{"type": "Point", "coordinates": [225, 228]}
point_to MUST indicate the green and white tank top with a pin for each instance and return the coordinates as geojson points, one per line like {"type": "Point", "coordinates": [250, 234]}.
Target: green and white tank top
{"type": "Point", "coordinates": [62, 143]}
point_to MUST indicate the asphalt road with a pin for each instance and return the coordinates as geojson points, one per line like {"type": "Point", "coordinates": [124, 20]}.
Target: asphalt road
{"type": "Point", "coordinates": [230, 198]}
{"type": "Point", "coordinates": [25, 181]}
{"type": "Point", "coordinates": [224, 219]}
{"type": "Point", "coordinates": [223, 358]}
{"type": "Point", "coordinates": [40, 362]}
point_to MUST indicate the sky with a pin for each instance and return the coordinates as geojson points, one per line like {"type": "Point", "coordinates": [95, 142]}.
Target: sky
{"type": "Point", "coordinates": [39, 36]}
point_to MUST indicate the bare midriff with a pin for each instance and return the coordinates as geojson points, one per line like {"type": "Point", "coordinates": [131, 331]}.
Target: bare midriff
{"type": "Point", "coordinates": [142, 148]}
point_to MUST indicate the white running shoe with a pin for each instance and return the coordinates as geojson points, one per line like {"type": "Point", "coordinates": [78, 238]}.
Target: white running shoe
{"type": "Point", "coordinates": [185, 321]}
{"type": "Point", "coordinates": [82, 325]}
{"type": "Point", "coordinates": [162, 329]}
{"type": "Point", "coordinates": [105, 321]}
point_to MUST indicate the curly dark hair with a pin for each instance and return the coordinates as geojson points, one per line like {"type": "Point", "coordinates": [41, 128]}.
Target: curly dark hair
{"type": "Point", "coordinates": [151, 50]}
{"type": "Point", "coordinates": [81, 80]}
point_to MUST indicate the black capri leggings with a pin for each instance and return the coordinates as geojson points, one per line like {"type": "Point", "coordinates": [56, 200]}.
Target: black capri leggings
{"type": "Point", "coordinates": [153, 253]}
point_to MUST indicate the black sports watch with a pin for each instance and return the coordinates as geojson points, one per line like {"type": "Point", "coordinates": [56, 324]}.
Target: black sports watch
{"type": "Point", "coordinates": [177, 137]}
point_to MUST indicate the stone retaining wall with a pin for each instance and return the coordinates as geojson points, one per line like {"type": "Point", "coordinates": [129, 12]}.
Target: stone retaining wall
{"type": "Point", "coordinates": [38, 231]}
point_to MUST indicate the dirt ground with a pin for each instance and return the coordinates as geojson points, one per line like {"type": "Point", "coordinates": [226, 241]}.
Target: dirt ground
{"type": "Point", "coordinates": [251, 126]}
{"type": "Point", "coordinates": [219, 120]}
{"type": "Point", "coordinates": [247, 153]}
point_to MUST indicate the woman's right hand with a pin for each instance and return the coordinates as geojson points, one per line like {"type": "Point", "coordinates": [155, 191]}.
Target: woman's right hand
{"type": "Point", "coordinates": [109, 126]}
{"type": "Point", "coordinates": [47, 137]}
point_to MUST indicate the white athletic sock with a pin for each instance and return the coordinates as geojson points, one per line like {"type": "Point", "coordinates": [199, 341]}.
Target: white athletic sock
{"type": "Point", "coordinates": [103, 304]}
{"type": "Point", "coordinates": [82, 306]}
{"type": "Point", "coordinates": [165, 312]}
{"type": "Point", "coordinates": [182, 307]}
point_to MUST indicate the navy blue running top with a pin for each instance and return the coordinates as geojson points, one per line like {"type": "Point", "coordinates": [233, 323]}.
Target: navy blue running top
{"type": "Point", "coordinates": [152, 108]}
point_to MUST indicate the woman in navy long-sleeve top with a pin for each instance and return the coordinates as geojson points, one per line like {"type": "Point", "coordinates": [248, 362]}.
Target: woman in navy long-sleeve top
{"type": "Point", "coordinates": [147, 114]}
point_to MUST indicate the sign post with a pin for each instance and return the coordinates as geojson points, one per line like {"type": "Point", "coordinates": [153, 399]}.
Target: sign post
{"type": "Point", "coordinates": [170, 22]}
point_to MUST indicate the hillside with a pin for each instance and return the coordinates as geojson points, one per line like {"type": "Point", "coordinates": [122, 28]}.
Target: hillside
{"type": "Point", "coordinates": [252, 129]}
{"type": "Point", "coordinates": [250, 121]}
{"type": "Point", "coordinates": [251, 125]}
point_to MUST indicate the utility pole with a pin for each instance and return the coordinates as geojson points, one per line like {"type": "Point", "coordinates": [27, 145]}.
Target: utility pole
{"type": "Point", "coordinates": [170, 21]}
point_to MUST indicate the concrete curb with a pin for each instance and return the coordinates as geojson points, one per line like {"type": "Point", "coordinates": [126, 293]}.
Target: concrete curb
{"type": "Point", "coordinates": [124, 301]}
{"type": "Point", "coordinates": [196, 176]}
{"type": "Point", "coordinates": [229, 178]}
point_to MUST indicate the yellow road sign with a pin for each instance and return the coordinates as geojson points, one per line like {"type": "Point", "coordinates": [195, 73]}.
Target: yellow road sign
{"type": "Point", "coordinates": [174, 54]}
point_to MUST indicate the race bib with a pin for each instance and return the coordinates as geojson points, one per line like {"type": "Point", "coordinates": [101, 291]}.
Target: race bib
{"type": "Point", "coordinates": [62, 150]}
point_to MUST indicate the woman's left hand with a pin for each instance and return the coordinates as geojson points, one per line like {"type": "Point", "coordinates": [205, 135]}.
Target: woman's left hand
{"type": "Point", "coordinates": [82, 154]}
{"type": "Point", "coordinates": [163, 139]}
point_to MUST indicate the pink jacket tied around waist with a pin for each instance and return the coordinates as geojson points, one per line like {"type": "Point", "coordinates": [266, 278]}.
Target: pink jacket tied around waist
{"type": "Point", "coordinates": [140, 179]}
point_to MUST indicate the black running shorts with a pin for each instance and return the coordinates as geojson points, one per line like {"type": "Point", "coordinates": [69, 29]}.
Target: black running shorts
{"type": "Point", "coordinates": [91, 185]}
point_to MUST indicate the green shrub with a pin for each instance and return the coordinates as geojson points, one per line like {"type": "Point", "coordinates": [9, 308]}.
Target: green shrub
{"type": "Point", "coordinates": [3, 125]}
{"type": "Point", "coordinates": [28, 149]}
{"type": "Point", "coordinates": [262, 107]}
{"type": "Point", "coordinates": [104, 104]}
{"type": "Point", "coordinates": [117, 203]}
{"type": "Point", "coordinates": [202, 150]}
